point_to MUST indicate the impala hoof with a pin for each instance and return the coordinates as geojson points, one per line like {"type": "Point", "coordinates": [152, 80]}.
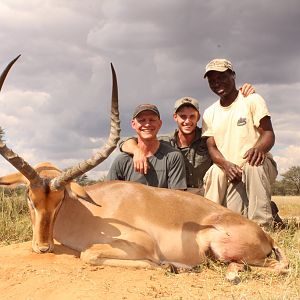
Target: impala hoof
{"type": "Point", "coordinates": [233, 277]}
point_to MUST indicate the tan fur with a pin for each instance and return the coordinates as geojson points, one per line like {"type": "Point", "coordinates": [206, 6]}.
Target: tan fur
{"type": "Point", "coordinates": [139, 223]}
{"type": "Point", "coordinates": [13, 180]}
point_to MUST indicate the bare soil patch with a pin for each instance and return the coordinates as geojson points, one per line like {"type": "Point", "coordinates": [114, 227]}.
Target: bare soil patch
{"type": "Point", "coordinates": [62, 275]}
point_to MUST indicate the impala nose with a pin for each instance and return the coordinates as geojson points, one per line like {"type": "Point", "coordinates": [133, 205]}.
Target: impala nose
{"type": "Point", "coordinates": [44, 248]}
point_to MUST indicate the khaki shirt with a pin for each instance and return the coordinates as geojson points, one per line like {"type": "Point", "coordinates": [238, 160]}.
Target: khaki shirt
{"type": "Point", "coordinates": [196, 157]}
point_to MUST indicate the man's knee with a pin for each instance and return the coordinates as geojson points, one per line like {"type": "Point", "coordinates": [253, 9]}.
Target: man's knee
{"type": "Point", "coordinates": [249, 170]}
{"type": "Point", "coordinates": [266, 172]}
{"type": "Point", "coordinates": [217, 172]}
{"type": "Point", "coordinates": [215, 184]}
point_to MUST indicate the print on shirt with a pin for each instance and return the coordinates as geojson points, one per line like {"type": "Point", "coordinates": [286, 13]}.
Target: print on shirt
{"type": "Point", "coordinates": [241, 121]}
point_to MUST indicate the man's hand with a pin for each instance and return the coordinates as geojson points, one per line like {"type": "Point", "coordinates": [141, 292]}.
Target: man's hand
{"type": "Point", "coordinates": [233, 172]}
{"type": "Point", "coordinates": [255, 157]}
{"type": "Point", "coordinates": [247, 89]}
{"type": "Point", "coordinates": [140, 162]}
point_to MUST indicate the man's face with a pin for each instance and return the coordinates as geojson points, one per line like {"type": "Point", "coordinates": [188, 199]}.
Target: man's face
{"type": "Point", "coordinates": [221, 83]}
{"type": "Point", "coordinates": [146, 124]}
{"type": "Point", "coordinates": [186, 118]}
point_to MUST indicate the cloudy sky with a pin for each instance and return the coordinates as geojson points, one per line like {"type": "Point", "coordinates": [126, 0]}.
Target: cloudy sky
{"type": "Point", "coordinates": [55, 100]}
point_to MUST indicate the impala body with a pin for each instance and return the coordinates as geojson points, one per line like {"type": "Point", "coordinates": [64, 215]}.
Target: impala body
{"type": "Point", "coordinates": [130, 224]}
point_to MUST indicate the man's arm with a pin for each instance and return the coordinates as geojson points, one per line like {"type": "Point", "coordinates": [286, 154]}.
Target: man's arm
{"type": "Point", "coordinates": [255, 156]}
{"type": "Point", "coordinates": [232, 171]}
{"type": "Point", "coordinates": [140, 162]}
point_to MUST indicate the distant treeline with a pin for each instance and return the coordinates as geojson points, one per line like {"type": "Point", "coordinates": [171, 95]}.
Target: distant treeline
{"type": "Point", "coordinates": [289, 184]}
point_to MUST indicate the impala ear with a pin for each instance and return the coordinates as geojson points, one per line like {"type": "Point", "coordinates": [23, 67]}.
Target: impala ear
{"type": "Point", "coordinates": [78, 191]}
{"type": "Point", "coordinates": [13, 180]}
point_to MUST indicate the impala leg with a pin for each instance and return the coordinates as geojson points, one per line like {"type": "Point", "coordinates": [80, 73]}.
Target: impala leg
{"type": "Point", "coordinates": [279, 265]}
{"type": "Point", "coordinates": [117, 253]}
{"type": "Point", "coordinates": [273, 265]}
{"type": "Point", "coordinates": [137, 250]}
{"type": "Point", "coordinates": [232, 273]}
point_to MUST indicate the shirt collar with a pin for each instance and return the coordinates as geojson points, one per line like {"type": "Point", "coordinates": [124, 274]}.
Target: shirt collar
{"type": "Point", "coordinates": [197, 137]}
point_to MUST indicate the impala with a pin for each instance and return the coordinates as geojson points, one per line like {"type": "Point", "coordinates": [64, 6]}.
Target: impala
{"type": "Point", "coordinates": [129, 224]}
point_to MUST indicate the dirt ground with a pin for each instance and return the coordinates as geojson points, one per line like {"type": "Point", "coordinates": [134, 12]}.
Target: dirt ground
{"type": "Point", "coordinates": [62, 275]}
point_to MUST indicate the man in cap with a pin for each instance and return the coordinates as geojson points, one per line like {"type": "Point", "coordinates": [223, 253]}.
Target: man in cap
{"type": "Point", "coordinates": [166, 165]}
{"type": "Point", "coordinates": [239, 137]}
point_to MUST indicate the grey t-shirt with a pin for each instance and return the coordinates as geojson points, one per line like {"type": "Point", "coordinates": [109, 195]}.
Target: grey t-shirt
{"type": "Point", "coordinates": [166, 169]}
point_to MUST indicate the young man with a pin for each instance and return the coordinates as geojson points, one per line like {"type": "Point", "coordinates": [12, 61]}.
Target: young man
{"type": "Point", "coordinates": [166, 165]}
{"type": "Point", "coordinates": [239, 137]}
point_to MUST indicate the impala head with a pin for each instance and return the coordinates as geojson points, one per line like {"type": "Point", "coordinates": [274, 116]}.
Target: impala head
{"type": "Point", "coordinates": [43, 203]}
{"type": "Point", "coordinates": [47, 185]}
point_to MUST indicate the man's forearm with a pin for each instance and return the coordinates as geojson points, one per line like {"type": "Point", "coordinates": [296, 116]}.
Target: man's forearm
{"type": "Point", "coordinates": [140, 162]}
{"type": "Point", "coordinates": [267, 137]}
{"type": "Point", "coordinates": [129, 146]}
{"type": "Point", "coordinates": [266, 141]}
{"type": "Point", "coordinates": [216, 156]}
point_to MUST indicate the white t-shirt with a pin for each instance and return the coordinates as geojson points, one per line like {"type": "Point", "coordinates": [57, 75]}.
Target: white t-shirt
{"type": "Point", "coordinates": [234, 127]}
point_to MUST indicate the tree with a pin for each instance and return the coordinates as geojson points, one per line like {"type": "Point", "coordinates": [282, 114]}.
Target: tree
{"type": "Point", "coordinates": [84, 180]}
{"type": "Point", "coordinates": [278, 188]}
{"type": "Point", "coordinates": [291, 180]}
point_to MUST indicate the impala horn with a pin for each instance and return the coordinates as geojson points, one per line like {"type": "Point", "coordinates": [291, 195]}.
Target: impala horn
{"type": "Point", "coordinates": [60, 181]}
{"type": "Point", "coordinates": [18, 162]}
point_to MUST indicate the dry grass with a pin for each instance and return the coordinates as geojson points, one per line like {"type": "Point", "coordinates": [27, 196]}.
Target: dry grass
{"type": "Point", "coordinates": [289, 206]}
{"type": "Point", "coordinates": [15, 223]}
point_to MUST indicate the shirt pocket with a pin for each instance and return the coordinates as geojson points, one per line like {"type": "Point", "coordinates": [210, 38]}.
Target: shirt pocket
{"type": "Point", "coordinates": [202, 158]}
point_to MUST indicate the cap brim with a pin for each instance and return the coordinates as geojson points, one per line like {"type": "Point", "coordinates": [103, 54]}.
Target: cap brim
{"type": "Point", "coordinates": [148, 109]}
{"type": "Point", "coordinates": [185, 104]}
{"type": "Point", "coordinates": [220, 69]}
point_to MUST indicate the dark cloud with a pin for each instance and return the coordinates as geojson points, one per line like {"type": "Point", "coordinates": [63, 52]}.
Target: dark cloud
{"type": "Point", "coordinates": [55, 102]}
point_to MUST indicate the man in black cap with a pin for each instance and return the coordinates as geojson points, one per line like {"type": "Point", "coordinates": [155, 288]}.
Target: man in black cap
{"type": "Point", "coordinates": [166, 164]}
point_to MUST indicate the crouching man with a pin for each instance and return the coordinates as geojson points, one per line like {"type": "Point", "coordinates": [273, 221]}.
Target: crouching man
{"type": "Point", "coordinates": [239, 137]}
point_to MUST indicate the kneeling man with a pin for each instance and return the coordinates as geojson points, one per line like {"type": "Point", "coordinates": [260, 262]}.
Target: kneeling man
{"type": "Point", "coordinates": [239, 137]}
